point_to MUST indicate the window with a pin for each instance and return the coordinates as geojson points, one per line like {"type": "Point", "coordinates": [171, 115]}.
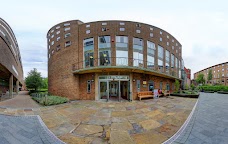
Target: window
{"type": "Point", "coordinates": [104, 23]}
{"type": "Point", "coordinates": [121, 50]}
{"type": "Point", "coordinates": [48, 46]}
{"type": "Point", "coordinates": [138, 31]}
{"type": "Point", "coordinates": [172, 60]}
{"type": "Point", "coordinates": [88, 48]}
{"type": "Point", "coordinates": [52, 42]}
{"type": "Point", "coordinates": [176, 62]}
{"type": "Point", "coordinates": [172, 40]}
{"type": "Point", "coordinates": [172, 47]}
{"type": "Point", "coordinates": [57, 27]}
{"type": "Point", "coordinates": [68, 43]}
{"type": "Point", "coordinates": [122, 29]}
{"type": "Point", "coordinates": [151, 34]}
{"type": "Point", "coordinates": [122, 23]}
{"type": "Point", "coordinates": [138, 25]}
{"type": "Point", "coordinates": [88, 86]}
{"type": "Point", "coordinates": [52, 31]}
{"type": "Point", "coordinates": [49, 55]}
{"type": "Point", "coordinates": [58, 32]}
{"type": "Point", "coordinates": [167, 43]}
{"type": "Point", "coordinates": [88, 25]}
{"type": "Point", "coordinates": [138, 52]}
{"type": "Point", "coordinates": [167, 57]}
{"type": "Point", "coordinates": [87, 31]}
{"type": "Point", "coordinates": [58, 38]}
{"type": "Point", "coordinates": [52, 52]}
{"type": "Point", "coordinates": [151, 28]}
{"type": "Point", "coordinates": [67, 35]}
{"type": "Point", "coordinates": [218, 70]}
{"type": "Point", "coordinates": [52, 36]}
{"type": "Point", "coordinates": [104, 29]}
{"type": "Point", "coordinates": [66, 24]}
{"type": "Point", "coordinates": [104, 47]}
{"type": "Point", "coordinates": [151, 86]}
{"type": "Point", "coordinates": [223, 69]}
{"type": "Point", "coordinates": [138, 85]}
{"type": "Point", "coordinates": [167, 87]}
{"type": "Point", "coordinates": [176, 44]}
{"type": "Point", "coordinates": [160, 86]}
{"type": "Point", "coordinates": [150, 54]}
{"type": "Point", "coordinates": [58, 48]}
{"type": "Point", "coordinates": [67, 29]}
{"type": "Point", "coordinates": [160, 52]}
{"type": "Point", "coordinates": [160, 39]}
{"type": "Point", "coordinates": [49, 40]}
{"type": "Point", "coordinates": [161, 32]}
{"type": "Point", "coordinates": [167, 37]}
{"type": "Point", "coordinates": [176, 51]}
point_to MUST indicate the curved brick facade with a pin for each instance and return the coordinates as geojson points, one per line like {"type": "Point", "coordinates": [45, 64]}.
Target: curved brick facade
{"type": "Point", "coordinates": [10, 60]}
{"type": "Point", "coordinates": [77, 61]}
{"type": "Point", "coordinates": [219, 73]}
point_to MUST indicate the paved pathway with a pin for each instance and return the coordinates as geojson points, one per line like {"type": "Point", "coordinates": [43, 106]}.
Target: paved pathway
{"type": "Point", "coordinates": [25, 130]}
{"type": "Point", "coordinates": [209, 123]}
{"type": "Point", "coordinates": [22, 100]}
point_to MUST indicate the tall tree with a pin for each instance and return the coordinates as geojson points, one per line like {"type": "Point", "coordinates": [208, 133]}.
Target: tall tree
{"type": "Point", "coordinates": [34, 79]}
{"type": "Point", "coordinates": [200, 79]}
{"type": "Point", "coordinates": [45, 83]}
{"type": "Point", "coordinates": [209, 76]}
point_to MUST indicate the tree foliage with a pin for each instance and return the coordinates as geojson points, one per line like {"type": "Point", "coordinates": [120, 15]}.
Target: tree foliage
{"type": "Point", "coordinates": [34, 79]}
{"type": "Point", "coordinates": [44, 83]}
{"type": "Point", "coordinates": [177, 85]}
{"type": "Point", "coordinates": [200, 79]}
{"type": "Point", "coordinates": [209, 76]}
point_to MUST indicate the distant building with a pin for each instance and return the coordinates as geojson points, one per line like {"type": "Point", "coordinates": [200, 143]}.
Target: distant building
{"type": "Point", "coordinates": [187, 76]}
{"type": "Point", "coordinates": [11, 72]}
{"type": "Point", "coordinates": [111, 60]}
{"type": "Point", "coordinates": [219, 74]}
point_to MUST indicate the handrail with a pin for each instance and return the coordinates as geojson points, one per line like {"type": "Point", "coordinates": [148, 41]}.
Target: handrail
{"type": "Point", "coordinates": [123, 61]}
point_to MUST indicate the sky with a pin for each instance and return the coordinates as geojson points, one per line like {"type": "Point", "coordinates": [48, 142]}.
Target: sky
{"type": "Point", "coordinates": [201, 26]}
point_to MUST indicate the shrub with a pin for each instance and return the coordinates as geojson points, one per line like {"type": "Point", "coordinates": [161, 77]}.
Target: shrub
{"type": "Point", "coordinates": [47, 100]}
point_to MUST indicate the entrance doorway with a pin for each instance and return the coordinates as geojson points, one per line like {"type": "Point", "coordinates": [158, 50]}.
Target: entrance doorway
{"type": "Point", "coordinates": [115, 88]}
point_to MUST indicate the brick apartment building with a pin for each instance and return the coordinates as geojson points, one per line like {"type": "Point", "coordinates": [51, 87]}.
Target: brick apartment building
{"type": "Point", "coordinates": [219, 74]}
{"type": "Point", "coordinates": [11, 72]}
{"type": "Point", "coordinates": [111, 60]}
{"type": "Point", "coordinates": [187, 76]}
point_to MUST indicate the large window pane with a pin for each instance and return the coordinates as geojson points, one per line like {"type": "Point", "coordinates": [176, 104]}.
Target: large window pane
{"type": "Point", "coordinates": [167, 57]}
{"type": "Point", "coordinates": [138, 52]}
{"type": "Point", "coordinates": [122, 50]}
{"type": "Point", "coordinates": [150, 54]}
{"type": "Point", "coordinates": [88, 48]}
{"type": "Point", "coordinates": [104, 47]}
{"type": "Point", "coordinates": [160, 52]}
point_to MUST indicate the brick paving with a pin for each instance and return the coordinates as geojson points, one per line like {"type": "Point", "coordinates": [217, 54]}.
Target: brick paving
{"type": "Point", "coordinates": [209, 123]}
{"type": "Point", "coordinates": [22, 100]}
{"type": "Point", "coordinates": [148, 121]}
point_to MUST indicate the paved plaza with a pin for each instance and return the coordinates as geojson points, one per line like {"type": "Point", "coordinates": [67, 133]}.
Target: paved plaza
{"type": "Point", "coordinates": [209, 123]}
{"type": "Point", "coordinates": [148, 121]}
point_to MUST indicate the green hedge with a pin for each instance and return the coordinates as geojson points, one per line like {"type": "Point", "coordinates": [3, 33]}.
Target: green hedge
{"type": "Point", "coordinates": [214, 88]}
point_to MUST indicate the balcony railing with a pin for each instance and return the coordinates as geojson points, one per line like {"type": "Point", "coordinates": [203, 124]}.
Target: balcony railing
{"type": "Point", "coordinates": [123, 61]}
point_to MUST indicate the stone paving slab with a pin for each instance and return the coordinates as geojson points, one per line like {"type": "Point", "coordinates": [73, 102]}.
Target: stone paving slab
{"type": "Point", "coordinates": [99, 122]}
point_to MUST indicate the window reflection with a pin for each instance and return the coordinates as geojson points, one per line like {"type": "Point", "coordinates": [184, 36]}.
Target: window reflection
{"type": "Point", "coordinates": [160, 58]}
{"type": "Point", "coordinates": [88, 45]}
{"type": "Point", "coordinates": [138, 52]}
{"type": "Point", "coordinates": [150, 54]}
{"type": "Point", "coordinates": [104, 50]}
{"type": "Point", "coordinates": [167, 57]}
{"type": "Point", "coordinates": [121, 50]}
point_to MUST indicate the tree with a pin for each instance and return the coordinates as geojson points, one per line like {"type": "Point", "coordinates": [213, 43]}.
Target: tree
{"type": "Point", "coordinates": [209, 76]}
{"type": "Point", "coordinates": [33, 80]}
{"type": "Point", "coordinates": [200, 79]}
{"type": "Point", "coordinates": [177, 85]}
{"type": "Point", "coordinates": [192, 86]}
{"type": "Point", "coordinates": [44, 83]}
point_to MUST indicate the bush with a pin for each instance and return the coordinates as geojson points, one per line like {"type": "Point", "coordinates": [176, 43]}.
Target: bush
{"type": "Point", "coordinates": [47, 100]}
{"type": "Point", "coordinates": [214, 88]}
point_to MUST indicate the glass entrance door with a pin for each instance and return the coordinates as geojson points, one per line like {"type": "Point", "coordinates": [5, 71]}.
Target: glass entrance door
{"type": "Point", "coordinates": [103, 86]}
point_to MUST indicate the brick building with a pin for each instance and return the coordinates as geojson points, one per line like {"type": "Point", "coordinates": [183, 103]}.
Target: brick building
{"type": "Point", "coordinates": [111, 59]}
{"type": "Point", "coordinates": [187, 76]}
{"type": "Point", "coordinates": [219, 74]}
{"type": "Point", "coordinates": [11, 72]}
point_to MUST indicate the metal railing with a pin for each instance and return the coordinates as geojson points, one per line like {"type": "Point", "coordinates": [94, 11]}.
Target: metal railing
{"type": "Point", "coordinates": [123, 61]}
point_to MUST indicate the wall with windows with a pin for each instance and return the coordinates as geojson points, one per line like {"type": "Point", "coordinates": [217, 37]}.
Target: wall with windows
{"type": "Point", "coordinates": [74, 45]}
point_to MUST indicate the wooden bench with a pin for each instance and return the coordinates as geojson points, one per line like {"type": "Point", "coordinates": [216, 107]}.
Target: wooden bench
{"type": "Point", "coordinates": [166, 93]}
{"type": "Point", "coordinates": [145, 94]}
